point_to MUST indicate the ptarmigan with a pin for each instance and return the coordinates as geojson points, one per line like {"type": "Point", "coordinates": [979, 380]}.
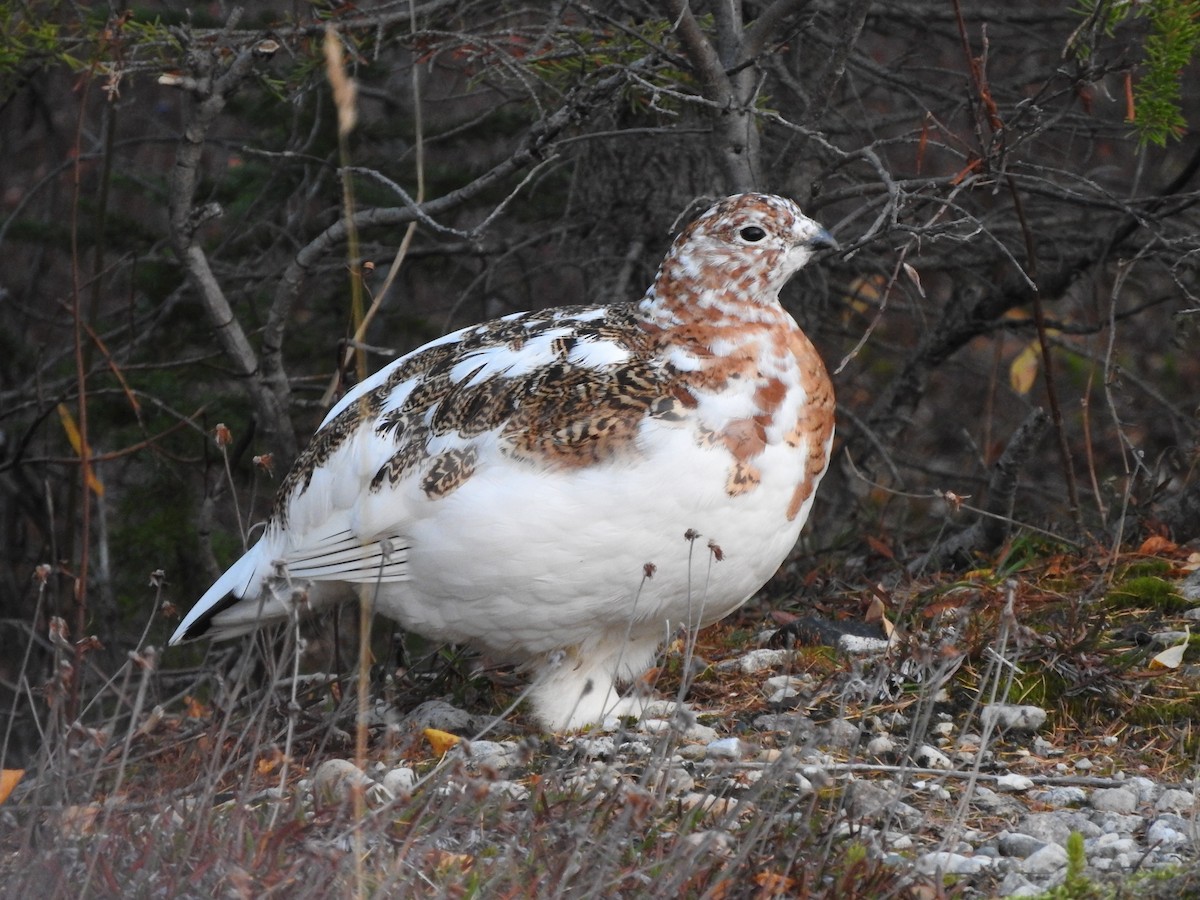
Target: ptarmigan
{"type": "Point", "coordinates": [566, 488]}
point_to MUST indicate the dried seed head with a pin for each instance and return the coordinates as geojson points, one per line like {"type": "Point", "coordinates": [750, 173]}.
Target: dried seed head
{"type": "Point", "coordinates": [59, 632]}
{"type": "Point", "coordinates": [266, 462]}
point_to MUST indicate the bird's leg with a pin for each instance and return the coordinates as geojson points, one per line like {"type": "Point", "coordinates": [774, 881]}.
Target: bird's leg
{"type": "Point", "coordinates": [576, 686]}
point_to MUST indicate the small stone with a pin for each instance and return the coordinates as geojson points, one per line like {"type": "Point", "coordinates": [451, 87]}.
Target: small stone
{"type": "Point", "coordinates": [994, 804]}
{"type": "Point", "coordinates": [931, 758]}
{"type": "Point", "coordinates": [1175, 800]}
{"type": "Point", "coordinates": [712, 806]}
{"type": "Point", "coordinates": [1014, 843]}
{"type": "Point", "coordinates": [713, 840]}
{"type": "Point", "coordinates": [1116, 823]}
{"type": "Point", "coordinates": [1014, 783]}
{"type": "Point", "coordinates": [512, 790]}
{"type": "Point", "coordinates": [1060, 797]}
{"type": "Point", "coordinates": [792, 684]}
{"type": "Point", "coordinates": [858, 645]}
{"type": "Point", "coordinates": [869, 801]}
{"type": "Point", "coordinates": [758, 661]}
{"type": "Point", "coordinates": [1116, 800]}
{"type": "Point", "coordinates": [693, 752]}
{"type": "Point", "coordinates": [1044, 861]}
{"type": "Point", "coordinates": [785, 698]}
{"type": "Point", "coordinates": [336, 779]}
{"type": "Point", "coordinates": [1109, 845]}
{"type": "Point", "coordinates": [880, 745]}
{"type": "Point", "coordinates": [699, 734]}
{"type": "Point", "coordinates": [1013, 717]}
{"type": "Point", "coordinates": [1168, 831]}
{"type": "Point", "coordinates": [601, 747]}
{"type": "Point", "coordinates": [1169, 638]}
{"type": "Point", "coordinates": [726, 748]}
{"type": "Point", "coordinates": [1056, 827]}
{"type": "Point", "coordinates": [688, 729]}
{"type": "Point", "coordinates": [1083, 764]}
{"type": "Point", "coordinates": [400, 782]}
{"type": "Point", "coordinates": [1146, 789]}
{"type": "Point", "coordinates": [672, 780]}
{"type": "Point", "coordinates": [1189, 589]}
{"type": "Point", "coordinates": [818, 776]}
{"type": "Point", "coordinates": [932, 788]}
{"type": "Point", "coordinates": [948, 863]}
{"type": "Point", "coordinates": [494, 754]}
{"type": "Point", "coordinates": [799, 727]}
{"type": "Point", "coordinates": [839, 733]}
{"type": "Point", "coordinates": [1043, 747]}
{"type": "Point", "coordinates": [440, 715]}
{"type": "Point", "coordinates": [1017, 885]}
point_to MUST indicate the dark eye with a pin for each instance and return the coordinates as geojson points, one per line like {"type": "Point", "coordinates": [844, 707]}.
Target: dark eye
{"type": "Point", "coordinates": [752, 233]}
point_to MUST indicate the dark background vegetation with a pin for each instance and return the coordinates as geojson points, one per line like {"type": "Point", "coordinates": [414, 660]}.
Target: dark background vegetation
{"type": "Point", "coordinates": [175, 255]}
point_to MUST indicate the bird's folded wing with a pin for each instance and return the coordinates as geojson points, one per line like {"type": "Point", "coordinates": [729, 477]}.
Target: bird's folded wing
{"type": "Point", "coordinates": [345, 557]}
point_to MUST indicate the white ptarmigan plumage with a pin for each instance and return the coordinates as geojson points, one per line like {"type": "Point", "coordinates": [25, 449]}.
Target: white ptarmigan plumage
{"type": "Point", "coordinates": [566, 488]}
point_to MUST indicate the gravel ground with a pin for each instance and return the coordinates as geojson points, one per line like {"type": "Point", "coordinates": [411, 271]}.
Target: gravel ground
{"type": "Point", "coordinates": [992, 805]}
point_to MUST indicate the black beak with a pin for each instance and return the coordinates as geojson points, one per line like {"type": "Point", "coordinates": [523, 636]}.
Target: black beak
{"type": "Point", "coordinates": [823, 240]}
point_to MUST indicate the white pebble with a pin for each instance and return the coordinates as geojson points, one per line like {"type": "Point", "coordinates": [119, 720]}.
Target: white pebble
{"type": "Point", "coordinates": [949, 863]}
{"type": "Point", "coordinates": [726, 748]}
{"type": "Point", "coordinates": [1014, 783]}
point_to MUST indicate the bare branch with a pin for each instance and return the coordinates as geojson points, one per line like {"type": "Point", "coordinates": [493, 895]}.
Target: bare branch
{"type": "Point", "coordinates": [269, 395]}
{"type": "Point", "coordinates": [995, 520]}
{"type": "Point", "coordinates": [539, 145]}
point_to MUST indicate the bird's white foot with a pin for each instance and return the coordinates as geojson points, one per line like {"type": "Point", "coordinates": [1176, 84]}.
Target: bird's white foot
{"type": "Point", "coordinates": [577, 687]}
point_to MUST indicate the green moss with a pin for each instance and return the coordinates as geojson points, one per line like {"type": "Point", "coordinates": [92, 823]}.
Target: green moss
{"type": "Point", "coordinates": [1163, 712]}
{"type": "Point", "coordinates": [1146, 592]}
{"type": "Point", "coordinates": [1145, 567]}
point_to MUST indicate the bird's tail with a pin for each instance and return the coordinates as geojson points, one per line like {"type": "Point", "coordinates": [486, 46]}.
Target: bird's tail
{"type": "Point", "coordinates": [240, 583]}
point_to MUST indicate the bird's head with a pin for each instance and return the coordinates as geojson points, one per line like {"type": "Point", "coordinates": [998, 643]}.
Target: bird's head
{"type": "Point", "coordinates": [746, 245]}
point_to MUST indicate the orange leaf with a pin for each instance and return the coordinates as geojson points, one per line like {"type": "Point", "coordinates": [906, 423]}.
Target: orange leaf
{"type": "Point", "coordinates": [880, 548]}
{"type": "Point", "coordinates": [440, 741]}
{"type": "Point", "coordinates": [773, 883]}
{"type": "Point", "coordinates": [9, 779]}
{"type": "Point", "coordinates": [270, 762]}
{"type": "Point", "coordinates": [1155, 545]}
{"type": "Point", "coordinates": [195, 709]}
